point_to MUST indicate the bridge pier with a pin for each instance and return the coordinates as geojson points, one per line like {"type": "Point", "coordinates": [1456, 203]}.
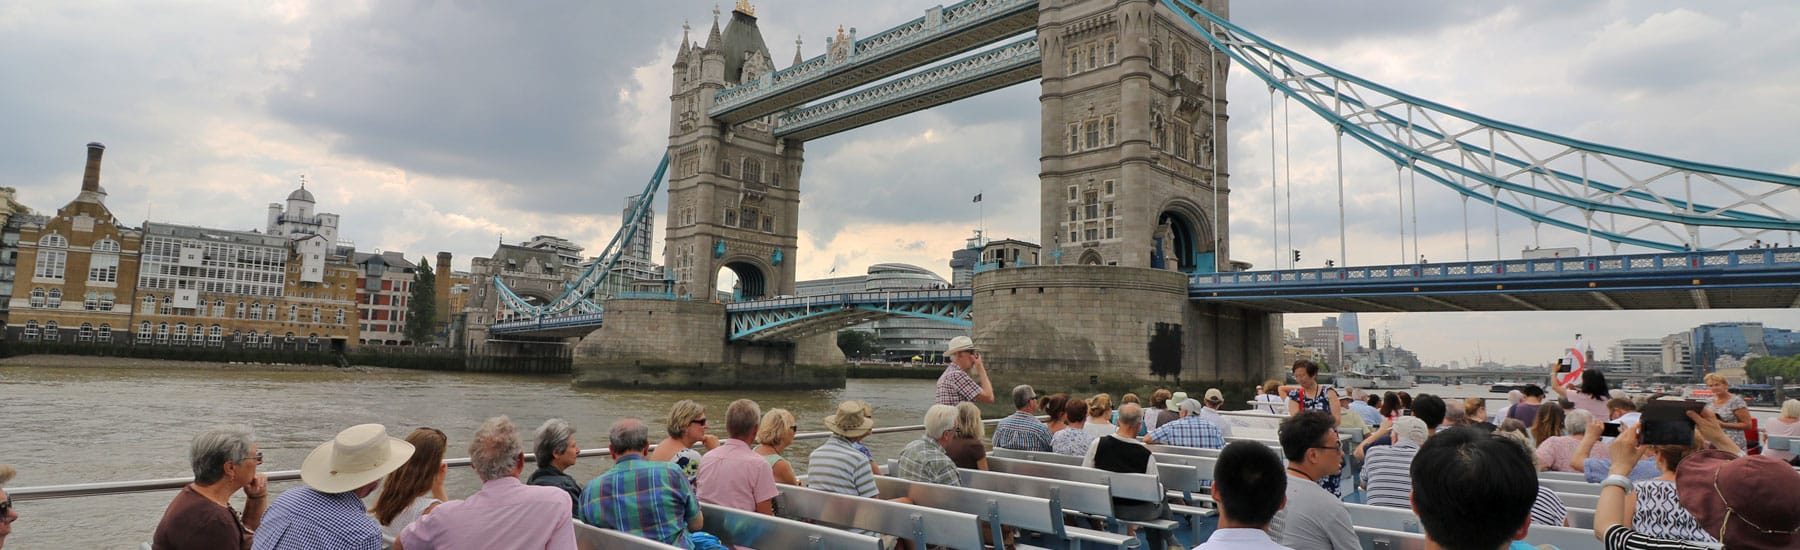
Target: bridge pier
{"type": "Point", "coordinates": [678, 344]}
{"type": "Point", "coordinates": [1077, 326]}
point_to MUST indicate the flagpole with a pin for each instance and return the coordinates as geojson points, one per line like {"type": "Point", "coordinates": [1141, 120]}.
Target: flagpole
{"type": "Point", "coordinates": [981, 213]}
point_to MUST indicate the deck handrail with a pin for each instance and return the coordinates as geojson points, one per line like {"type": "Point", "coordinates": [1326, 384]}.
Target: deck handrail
{"type": "Point", "coordinates": [102, 488]}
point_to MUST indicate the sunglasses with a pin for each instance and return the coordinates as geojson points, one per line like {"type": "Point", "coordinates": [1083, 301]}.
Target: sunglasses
{"type": "Point", "coordinates": [700, 421]}
{"type": "Point", "coordinates": [6, 508]}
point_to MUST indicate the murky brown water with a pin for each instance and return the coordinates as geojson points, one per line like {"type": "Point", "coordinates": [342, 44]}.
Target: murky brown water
{"type": "Point", "coordinates": [76, 425]}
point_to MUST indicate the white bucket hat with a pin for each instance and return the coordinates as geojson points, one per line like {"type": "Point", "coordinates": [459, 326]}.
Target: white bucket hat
{"type": "Point", "coordinates": [358, 455]}
{"type": "Point", "coordinates": [960, 343]}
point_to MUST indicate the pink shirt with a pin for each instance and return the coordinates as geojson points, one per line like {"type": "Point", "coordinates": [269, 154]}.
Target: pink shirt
{"type": "Point", "coordinates": [1789, 429]}
{"type": "Point", "coordinates": [1557, 452]}
{"type": "Point", "coordinates": [1593, 405]}
{"type": "Point", "coordinates": [506, 514]}
{"type": "Point", "coordinates": [734, 475]}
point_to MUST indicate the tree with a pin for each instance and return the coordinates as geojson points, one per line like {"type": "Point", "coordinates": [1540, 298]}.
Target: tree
{"type": "Point", "coordinates": [421, 308]}
{"type": "Point", "coordinates": [859, 343]}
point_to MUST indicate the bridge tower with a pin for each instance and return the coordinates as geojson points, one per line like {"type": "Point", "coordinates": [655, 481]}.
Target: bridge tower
{"type": "Point", "coordinates": [1133, 170]}
{"type": "Point", "coordinates": [734, 195]}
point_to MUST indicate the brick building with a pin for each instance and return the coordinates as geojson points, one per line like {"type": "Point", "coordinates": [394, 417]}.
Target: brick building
{"type": "Point", "coordinates": [382, 294]}
{"type": "Point", "coordinates": [78, 268]}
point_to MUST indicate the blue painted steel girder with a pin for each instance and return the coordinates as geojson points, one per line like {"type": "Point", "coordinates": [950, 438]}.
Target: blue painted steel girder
{"type": "Point", "coordinates": [793, 318]}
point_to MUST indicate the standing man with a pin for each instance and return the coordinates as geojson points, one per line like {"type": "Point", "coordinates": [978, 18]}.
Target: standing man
{"type": "Point", "coordinates": [1021, 430]}
{"type": "Point", "coordinates": [1313, 518]}
{"type": "Point", "coordinates": [966, 378]}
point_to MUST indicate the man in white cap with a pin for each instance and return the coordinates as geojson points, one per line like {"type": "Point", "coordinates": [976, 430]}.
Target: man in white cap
{"type": "Point", "coordinates": [966, 378]}
{"type": "Point", "coordinates": [328, 512]}
{"type": "Point", "coordinates": [1210, 410]}
{"type": "Point", "coordinates": [506, 514]}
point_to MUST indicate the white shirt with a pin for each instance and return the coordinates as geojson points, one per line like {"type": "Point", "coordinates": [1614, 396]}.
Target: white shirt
{"type": "Point", "coordinates": [1214, 417]}
{"type": "Point", "coordinates": [1240, 539]}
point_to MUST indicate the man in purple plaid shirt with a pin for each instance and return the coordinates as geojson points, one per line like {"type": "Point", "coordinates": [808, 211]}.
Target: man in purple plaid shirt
{"type": "Point", "coordinates": [1022, 431]}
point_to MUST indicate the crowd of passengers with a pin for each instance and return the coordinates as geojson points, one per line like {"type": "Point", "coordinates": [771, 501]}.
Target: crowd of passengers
{"type": "Point", "coordinates": [1469, 477]}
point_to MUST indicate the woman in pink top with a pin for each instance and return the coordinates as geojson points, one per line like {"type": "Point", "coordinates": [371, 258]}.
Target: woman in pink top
{"type": "Point", "coordinates": [1556, 453]}
{"type": "Point", "coordinates": [1590, 396]}
{"type": "Point", "coordinates": [1788, 424]}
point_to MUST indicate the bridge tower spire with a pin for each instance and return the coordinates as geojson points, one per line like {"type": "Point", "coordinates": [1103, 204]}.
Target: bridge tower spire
{"type": "Point", "coordinates": [733, 193]}
{"type": "Point", "coordinates": [1133, 126]}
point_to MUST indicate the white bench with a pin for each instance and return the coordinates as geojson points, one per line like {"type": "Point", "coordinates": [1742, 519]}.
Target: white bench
{"type": "Point", "coordinates": [924, 526]}
{"type": "Point", "coordinates": [1028, 513]}
{"type": "Point", "coordinates": [737, 527]}
{"type": "Point", "coordinates": [588, 537]}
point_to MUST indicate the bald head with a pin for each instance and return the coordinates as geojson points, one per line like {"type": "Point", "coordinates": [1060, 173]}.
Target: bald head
{"type": "Point", "coordinates": [1130, 414]}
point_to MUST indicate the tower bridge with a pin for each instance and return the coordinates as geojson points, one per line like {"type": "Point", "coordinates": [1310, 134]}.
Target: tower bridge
{"type": "Point", "coordinates": [1134, 191]}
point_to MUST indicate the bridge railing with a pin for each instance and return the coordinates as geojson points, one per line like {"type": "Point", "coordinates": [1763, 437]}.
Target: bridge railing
{"type": "Point", "coordinates": [849, 299]}
{"type": "Point", "coordinates": [1726, 260]}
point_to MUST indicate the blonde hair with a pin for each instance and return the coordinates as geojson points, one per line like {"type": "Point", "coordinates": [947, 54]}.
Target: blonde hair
{"type": "Point", "coordinates": [7, 473]}
{"type": "Point", "coordinates": [1099, 405]}
{"type": "Point", "coordinates": [968, 420]}
{"type": "Point", "coordinates": [775, 424]}
{"type": "Point", "coordinates": [1271, 386]}
{"type": "Point", "coordinates": [1790, 408]}
{"type": "Point", "coordinates": [1716, 377]}
{"type": "Point", "coordinates": [682, 414]}
{"type": "Point", "coordinates": [1130, 398]}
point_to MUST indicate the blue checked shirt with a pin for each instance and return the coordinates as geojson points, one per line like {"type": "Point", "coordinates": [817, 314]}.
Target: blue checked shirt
{"type": "Point", "coordinates": [1022, 432]}
{"type": "Point", "coordinates": [643, 497]}
{"type": "Point", "coordinates": [1189, 431]}
{"type": "Point", "coordinates": [304, 518]}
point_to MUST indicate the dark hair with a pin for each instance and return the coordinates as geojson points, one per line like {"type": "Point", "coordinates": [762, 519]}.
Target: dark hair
{"type": "Point", "coordinates": [1055, 404]}
{"type": "Point", "coordinates": [1390, 404]}
{"type": "Point", "coordinates": [1621, 404]}
{"type": "Point", "coordinates": [1312, 369]}
{"type": "Point", "coordinates": [1472, 490]}
{"type": "Point", "coordinates": [1547, 424]}
{"type": "Point", "coordinates": [1075, 411]}
{"type": "Point", "coordinates": [1430, 409]}
{"type": "Point", "coordinates": [1593, 383]}
{"type": "Point", "coordinates": [1374, 401]}
{"type": "Point", "coordinates": [1303, 431]}
{"type": "Point", "coordinates": [1249, 483]}
{"type": "Point", "coordinates": [1405, 400]}
{"type": "Point", "coordinates": [1532, 390]}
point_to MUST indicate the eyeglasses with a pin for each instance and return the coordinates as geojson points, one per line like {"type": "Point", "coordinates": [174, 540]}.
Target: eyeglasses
{"type": "Point", "coordinates": [6, 508]}
{"type": "Point", "coordinates": [1331, 448]}
{"type": "Point", "coordinates": [1730, 512]}
{"type": "Point", "coordinates": [700, 421]}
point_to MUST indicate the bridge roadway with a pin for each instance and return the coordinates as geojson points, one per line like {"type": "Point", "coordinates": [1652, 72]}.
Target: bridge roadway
{"type": "Point", "coordinates": [1767, 278]}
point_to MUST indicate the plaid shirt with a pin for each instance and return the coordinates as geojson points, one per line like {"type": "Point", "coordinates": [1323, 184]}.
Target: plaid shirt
{"type": "Point", "coordinates": [1189, 431]}
{"type": "Point", "coordinates": [955, 386]}
{"type": "Point", "coordinates": [304, 518]}
{"type": "Point", "coordinates": [642, 497]}
{"type": "Point", "coordinates": [924, 461]}
{"type": "Point", "coordinates": [1022, 432]}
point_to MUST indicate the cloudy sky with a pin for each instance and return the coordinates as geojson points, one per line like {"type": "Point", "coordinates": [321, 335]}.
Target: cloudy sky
{"type": "Point", "coordinates": [435, 125]}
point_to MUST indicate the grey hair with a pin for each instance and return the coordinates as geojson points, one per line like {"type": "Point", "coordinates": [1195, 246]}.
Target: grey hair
{"type": "Point", "coordinates": [495, 449]}
{"type": "Point", "coordinates": [1130, 414]}
{"type": "Point", "coordinates": [1514, 397]}
{"type": "Point", "coordinates": [939, 418]}
{"type": "Point", "coordinates": [1576, 422]}
{"type": "Point", "coordinates": [553, 439]}
{"type": "Point", "coordinates": [216, 446]}
{"type": "Point", "coordinates": [628, 435]}
{"type": "Point", "coordinates": [1023, 396]}
{"type": "Point", "coordinates": [741, 418]}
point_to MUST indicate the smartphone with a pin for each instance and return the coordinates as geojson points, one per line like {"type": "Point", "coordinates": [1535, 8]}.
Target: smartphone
{"type": "Point", "coordinates": [1665, 422]}
{"type": "Point", "coordinates": [1612, 430]}
{"type": "Point", "coordinates": [1564, 365]}
{"type": "Point", "coordinates": [1405, 412]}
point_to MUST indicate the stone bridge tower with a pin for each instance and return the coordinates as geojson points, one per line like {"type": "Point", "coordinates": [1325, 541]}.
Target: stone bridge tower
{"type": "Point", "coordinates": [734, 195]}
{"type": "Point", "coordinates": [1133, 137]}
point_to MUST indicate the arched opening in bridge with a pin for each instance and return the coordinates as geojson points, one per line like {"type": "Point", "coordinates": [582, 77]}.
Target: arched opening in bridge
{"type": "Point", "coordinates": [742, 281]}
{"type": "Point", "coordinates": [1182, 247]}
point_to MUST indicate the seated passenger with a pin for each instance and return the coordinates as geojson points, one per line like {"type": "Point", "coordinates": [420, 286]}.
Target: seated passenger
{"type": "Point", "coordinates": [200, 517]}
{"type": "Point", "coordinates": [1388, 469]}
{"type": "Point", "coordinates": [1099, 422]}
{"type": "Point", "coordinates": [1656, 511]}
{"type": "Point", "coordinates": [1075, 439]}
{"type": "Point", "coordinates": [924, 460]}
{"type": "Point", "coordinates": [773, 437]}
{"type": "Point", "coordinates": [965, 449]}
{"type": "Point", "coordinates": [1021, 430]}
{"type": "Point", "coordinates": [7, 514]}
{"type": "Point", "coordinates": [1557, 452]}
{"type": "Point", "coordinates": [686, 425]}
{"type": "Point", "coordinates": [1472, 490]}
{"type": "Point", "coordinates": [1744, 502]}
{"type": "Point", "coordinates": [1191, 430]}
{"type": "Point", "coordinates": [1121, 452]}
{"type": "Point", "coordinates": [556, 451]}
{"type": "Point", "coordinates": [642, 497]}
{"type": "Point", "coordinates": [505, 514]}
{"type": "Point", "coordinates": [1214, 400]}
{"type": "Point", "coordinates": [733, 475]}
{"type": "Point", "coordinates": [417, 487]}
{"type": "Point", "coordinates": [1313, 518]}
{"type": "Point", "coordinates": [1250, 489]}
{"type": "Point", "coordinates": [327, 513]}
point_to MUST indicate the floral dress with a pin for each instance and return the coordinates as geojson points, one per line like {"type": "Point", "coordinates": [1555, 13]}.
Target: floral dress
{"type": "Point", "coordinates": [1320, 402]}
{"type": "Point", "coordinates": [1728, 413]}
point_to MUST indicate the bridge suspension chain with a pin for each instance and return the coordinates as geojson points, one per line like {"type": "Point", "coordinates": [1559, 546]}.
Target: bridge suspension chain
{"type": "Point", "coordinates": [578, 296]}
{"type": "Point", "coordinates": [1544, 178]}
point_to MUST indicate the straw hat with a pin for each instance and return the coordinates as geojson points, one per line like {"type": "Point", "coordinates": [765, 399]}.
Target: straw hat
{"type": "Point", "coordinates": [852, 420]}
{"type": "Point", "coordinates": [960, 343]}
{"type": "Point", "coordinates": [358, 455]}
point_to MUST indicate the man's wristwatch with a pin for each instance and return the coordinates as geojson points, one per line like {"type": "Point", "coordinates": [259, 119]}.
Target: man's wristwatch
{"type": "Point", "coordinates": [1616, 480]}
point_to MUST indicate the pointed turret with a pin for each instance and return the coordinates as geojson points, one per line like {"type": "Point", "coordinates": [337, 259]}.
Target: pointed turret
{"type": "Point", "coordinates": [681, 55]}
{"type": "Point", "coordinates": [712, 37]}
{"type": "Point", "coordinates": [797, 57]}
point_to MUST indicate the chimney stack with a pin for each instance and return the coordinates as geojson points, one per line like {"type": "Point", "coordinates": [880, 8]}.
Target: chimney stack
{"type": "Point", "coordinates": [443, 288]}
{"type": "Point", "coordinates": [90, 179]}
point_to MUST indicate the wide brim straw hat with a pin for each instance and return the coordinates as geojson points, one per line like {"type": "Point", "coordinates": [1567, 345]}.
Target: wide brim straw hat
{"type": "Point", "coordinates": [357, 456]}
{"type": "Point", "coordinates": [852, 420]}
{"type": "Point", "coordinates": [960, 343]}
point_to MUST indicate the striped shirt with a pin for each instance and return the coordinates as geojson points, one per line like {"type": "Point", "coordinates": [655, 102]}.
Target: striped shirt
{"type": "Point", "coordinates": [1388, 472]}
{"type": "Point", "coordinates": [924, 461]}
{"type": "Point", "coordinates": [1548, 509]}
{"type": "Point", "coordinates": [955, 386]}
{"type": "Point", "coordinates": [1620, 537]}
{"type": "Point", "coordinates": [1071, 441]}
{"type": "Point", "coordinates": [1189, 431]}
{"type": "Point", "coordinates": [837, 467]}
{"type": "Point", "coordinates": [304, 518]}
{"type": "Point", "coordinates": [643, 497]}
{"type": "Point", "coordinates": [1021, 431]}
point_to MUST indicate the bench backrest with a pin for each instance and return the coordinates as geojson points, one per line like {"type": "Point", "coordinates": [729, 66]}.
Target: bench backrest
{"type": "Point", "coordinates": [1562, 476]}
{"type": "Point", "coordinates": [1174, 474]}
{"type": "Point", "coordinates": [588, 537]}
{"type": "Point", "coordinates": [1564, 538]}
{"type": "Point", "coordinates": [1576, 487]}
{"type": "Point", "coordinates": [1571, 500]}
{"type": "Point", "coordinates": [1383, 517]}
{"type": "Point", "coordinates": [1203, 466]}
{"type": "Point", "coordinates": [1581, 518]}
{"type": "Point", "coordinates": [1037, 456]}
{"type": "Point", "coordinates": [1126, 486]}
{"type": "Point", "coordinates": [929, 526]}
{"type": "Point", "coordinates": [1025, 512]}
{"type": "Point", "coordinates": [1081, 497]}
{"type": "Point", "coordinates": [1375, 538]}
{"type": "Point", "coordinates": [1185, 451]}
{"type": "Point", "coordinates": [1396, 527]}
{"type": "Point", "coordinates": [734, 526]}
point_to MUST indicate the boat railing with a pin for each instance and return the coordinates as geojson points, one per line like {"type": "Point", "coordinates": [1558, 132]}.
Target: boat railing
{"type": "Point", "coordinates": [102, 488]}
